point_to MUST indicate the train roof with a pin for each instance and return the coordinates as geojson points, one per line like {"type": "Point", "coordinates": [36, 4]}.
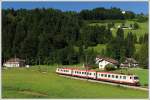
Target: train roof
{"type": "Point", "coordinates": [98, 71]}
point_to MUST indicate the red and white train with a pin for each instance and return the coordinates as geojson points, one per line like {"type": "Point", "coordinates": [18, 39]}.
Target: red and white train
{"type": "Point", "coordinates": [102, 76]}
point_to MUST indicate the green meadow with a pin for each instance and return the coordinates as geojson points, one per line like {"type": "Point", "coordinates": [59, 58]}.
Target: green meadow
{"type": "Point", "coordinates": [32, 83]}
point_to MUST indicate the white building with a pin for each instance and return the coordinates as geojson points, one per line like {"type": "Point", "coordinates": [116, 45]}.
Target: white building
{"type": "Point", "coordinates": [123, 12]}
{"type": "Point", "coordinates": [103, 61]}
{"type": "Point", "coordinates": [14, 62]}
{"type": "Point", "coordinates": [129, 62]}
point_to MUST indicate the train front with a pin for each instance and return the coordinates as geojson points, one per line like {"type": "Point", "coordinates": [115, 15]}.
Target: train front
{"type": "Point", "coordinates": [136, 80]}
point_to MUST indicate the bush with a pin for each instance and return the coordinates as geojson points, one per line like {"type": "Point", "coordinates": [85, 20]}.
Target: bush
{"type": "Point", "coordinates": [136, 26]}
{"type": "Point", "coordinates": [110, 67]}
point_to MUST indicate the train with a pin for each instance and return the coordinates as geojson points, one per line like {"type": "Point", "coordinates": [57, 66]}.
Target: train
{"type": "Point", "coordinates": [131, 80]}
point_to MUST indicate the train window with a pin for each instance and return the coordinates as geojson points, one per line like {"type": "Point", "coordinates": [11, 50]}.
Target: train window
{"type": "Point", "coordinates": [136, 78]}
{"type": "Point", "coordinates": [130, 77]}
{"type": "Point", "coordinates": [101, 75]}
{"type": "Point", "coordinates": [108, 75]}
{"type": "Point", "coordinates": [120, 77]}
{"type": "Point", "coordinates": [124, 77]}
{"type": "Point", "coordinates": [112, 76]}
{"type": "Point", "coordinates": [105, 75]}
{"type": "Point", "coordinates": [94, 74]}
{"type": "Point", "coordinates": [82, 72]}
{"type": "Point", "coordinates": [116, 76]}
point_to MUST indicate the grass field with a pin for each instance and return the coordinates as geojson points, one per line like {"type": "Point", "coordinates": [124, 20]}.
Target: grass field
{"type": "Point", "coordinates": [30, 83]}
{"type": "Point", "coordinates": [143, 27]}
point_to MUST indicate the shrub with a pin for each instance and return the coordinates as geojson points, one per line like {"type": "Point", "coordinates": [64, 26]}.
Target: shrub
{"type": "Point", "coordinates": [110, 67]}
{"type": "Point", "coordinates": [136, 26]}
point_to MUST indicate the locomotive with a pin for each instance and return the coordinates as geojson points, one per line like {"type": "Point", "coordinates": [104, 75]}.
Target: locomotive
{"type": "Point", "coordinates": [101, 76]}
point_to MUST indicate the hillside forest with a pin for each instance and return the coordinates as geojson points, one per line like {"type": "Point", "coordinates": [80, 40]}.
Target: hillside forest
{"type": "Point", "coordinates": [52, 36]}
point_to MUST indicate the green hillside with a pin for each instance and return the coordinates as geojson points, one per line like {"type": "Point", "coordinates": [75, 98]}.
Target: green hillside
{"type": "Point", "coordinates": [143, 27]}
{"type": "Point", "coordinates": [99, 48]}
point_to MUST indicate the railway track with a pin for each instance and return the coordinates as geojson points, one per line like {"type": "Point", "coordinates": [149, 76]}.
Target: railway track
{"type": "Point", "coordinates": [115, 84]}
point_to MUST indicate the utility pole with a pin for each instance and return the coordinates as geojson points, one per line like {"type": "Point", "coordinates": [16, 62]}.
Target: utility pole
{"type": "Point", "coordinates": [39, 64]}
{"type": "Point", "coordinates": [86, 67]}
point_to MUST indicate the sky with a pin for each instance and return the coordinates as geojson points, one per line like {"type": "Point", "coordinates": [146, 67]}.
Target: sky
{"type": "Point", "coordinates": [136, 7]}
